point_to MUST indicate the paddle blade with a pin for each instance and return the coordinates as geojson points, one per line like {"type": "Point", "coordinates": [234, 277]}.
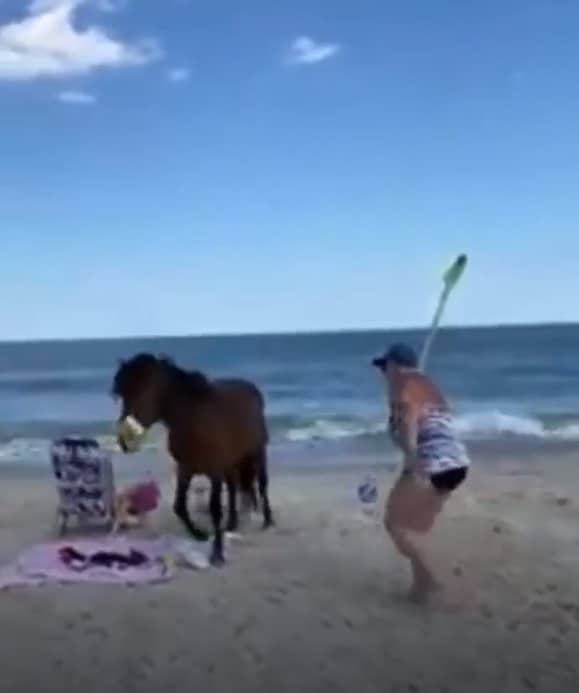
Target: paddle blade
{"type": "Point", "coordinates": [455, 271]}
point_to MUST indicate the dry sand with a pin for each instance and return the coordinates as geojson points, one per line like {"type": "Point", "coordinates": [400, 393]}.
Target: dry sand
{"type": "Point", "coordinates": [317, 604]}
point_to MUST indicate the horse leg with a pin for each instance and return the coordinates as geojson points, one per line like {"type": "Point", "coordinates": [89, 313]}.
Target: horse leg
{"type": "Point", "coordinates": [217, 557]}
{"type": "Point", "coordinates": [247, 474]}
{"type": "Point", "coordinates": [232, 519]}
{"type": "Point", "coordinates": [263, 484]}
{"type": "Point", "coordinates": [180, 506]}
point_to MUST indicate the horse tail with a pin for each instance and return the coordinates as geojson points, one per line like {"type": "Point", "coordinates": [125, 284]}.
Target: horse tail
{"type": "Point", "coordinates": [260, 398]}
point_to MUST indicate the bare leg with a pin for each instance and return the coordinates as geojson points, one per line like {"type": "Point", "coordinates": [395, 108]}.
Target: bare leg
{"type": "Point", "coordinates": [119, 513]}
{"type": "Point", "coordinates": [423, 580]}
{"type": "Point", "coordinates": [412, 508]}
{"type": "Point", "coordinates": [180, 506]}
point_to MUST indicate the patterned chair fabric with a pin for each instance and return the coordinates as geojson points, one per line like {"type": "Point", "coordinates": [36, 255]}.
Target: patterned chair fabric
{"type": "Point", "coordinates": [84, 480]}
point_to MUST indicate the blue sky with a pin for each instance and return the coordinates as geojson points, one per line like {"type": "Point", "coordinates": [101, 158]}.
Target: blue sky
{"type": "Point", "coordinates": [202, 166]}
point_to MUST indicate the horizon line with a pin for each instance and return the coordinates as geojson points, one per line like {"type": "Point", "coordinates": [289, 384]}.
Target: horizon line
{"type": "Point", "coordinates": [289, 333]}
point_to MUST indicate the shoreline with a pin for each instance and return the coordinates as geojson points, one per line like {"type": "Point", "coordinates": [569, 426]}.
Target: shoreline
{"type": "Point", "coordinates": [319, 457]}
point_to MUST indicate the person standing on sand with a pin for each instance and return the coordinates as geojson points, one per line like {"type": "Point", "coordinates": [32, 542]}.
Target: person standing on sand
{"type": "Point", "coordinates": [435, 461]}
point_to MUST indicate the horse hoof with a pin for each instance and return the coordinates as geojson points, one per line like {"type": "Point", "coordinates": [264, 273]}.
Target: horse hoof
{"type": "Point", "coordinates": [232, 527]}
{"type": "Point", "coordinates": [267, 524]}
{"type": "Point", "coordinates": [217, 560]}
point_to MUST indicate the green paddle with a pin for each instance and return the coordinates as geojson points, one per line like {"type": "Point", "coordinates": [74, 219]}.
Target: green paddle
{"type": "Point", "coordinates": [450, 279]}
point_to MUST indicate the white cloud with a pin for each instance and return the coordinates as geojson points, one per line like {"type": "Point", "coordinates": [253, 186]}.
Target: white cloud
{"type": "Point", "coordinates": [306, 51]}
{"type": "Point", "coordinates": [77, 98]}
{"type": "Point", "coordinates": [178, 74]}
{"type": "Point", "coordinates": [46, 43]}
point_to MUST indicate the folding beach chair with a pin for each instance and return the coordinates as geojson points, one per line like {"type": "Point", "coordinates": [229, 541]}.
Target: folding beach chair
{"type": "Point", "coordinates": [85, 484]}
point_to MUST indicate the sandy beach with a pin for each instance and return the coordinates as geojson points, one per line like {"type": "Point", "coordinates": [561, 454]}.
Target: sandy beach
{"type": "Point", "coordinates": [317, 604]}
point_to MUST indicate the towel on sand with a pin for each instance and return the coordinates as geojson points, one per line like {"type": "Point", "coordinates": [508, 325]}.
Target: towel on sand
{"type": "Point", "coordinates": [51, 563]}
{"type": "Point", "coordinates": [112, 560]}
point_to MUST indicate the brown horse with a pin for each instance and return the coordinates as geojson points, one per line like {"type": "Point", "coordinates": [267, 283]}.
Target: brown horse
{"type": "Point", "coordinates": [215, 428]}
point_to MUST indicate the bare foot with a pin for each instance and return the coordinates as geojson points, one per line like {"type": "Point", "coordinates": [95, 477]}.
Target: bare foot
{"type": "Point", "coordinates": [420, 593]}
{"type": "Point", "coordinates": [440, 597]}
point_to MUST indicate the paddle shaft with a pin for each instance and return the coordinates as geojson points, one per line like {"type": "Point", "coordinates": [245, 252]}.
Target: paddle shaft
{"type": "Point", "coordinates": [434, 326]}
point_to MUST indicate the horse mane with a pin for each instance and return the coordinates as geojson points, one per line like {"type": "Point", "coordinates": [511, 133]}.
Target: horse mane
{"type": "Point", "coordinates": [131, 373]}
{"type": "Point", "coordinates": [192, 384]}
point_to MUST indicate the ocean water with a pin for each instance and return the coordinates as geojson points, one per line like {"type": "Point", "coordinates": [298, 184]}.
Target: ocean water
{"type": "Point", "coordinates": [505, 383]}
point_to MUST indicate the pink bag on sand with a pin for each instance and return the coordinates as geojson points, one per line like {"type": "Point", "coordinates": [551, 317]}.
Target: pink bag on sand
{"type": "Point", "coordinates": [143, 497]}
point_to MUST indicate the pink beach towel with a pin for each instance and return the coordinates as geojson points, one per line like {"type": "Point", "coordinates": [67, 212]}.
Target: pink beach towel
{"type": "Point", "coordinates": [43, 564]}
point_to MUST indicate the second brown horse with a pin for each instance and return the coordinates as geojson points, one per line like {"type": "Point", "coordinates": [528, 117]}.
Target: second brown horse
{"type": "Point", "coordinates": [216, 428]}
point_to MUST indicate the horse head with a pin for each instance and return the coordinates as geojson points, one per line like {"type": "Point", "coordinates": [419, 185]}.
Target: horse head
{"type": "Point", "coordinates": [140, 384]}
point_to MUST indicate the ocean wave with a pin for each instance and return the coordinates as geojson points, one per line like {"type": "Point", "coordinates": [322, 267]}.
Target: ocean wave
{"type": "Point", "coordinates": [493, 424]}
{"type": "Point", "coordinates": [40, 430]}
{"type": "Point", "coordinates": [54, 382]}
{"type": "Point", "coordinates": [497, 423]}
{"type": "Point", "coordinates": [484, 425]}
{"type": "Point", "coordinates": [31, 444]}
{"type": "Point", "coordinates": [37, 450]}
{"type": "Point", "coordinates": [331, 429]}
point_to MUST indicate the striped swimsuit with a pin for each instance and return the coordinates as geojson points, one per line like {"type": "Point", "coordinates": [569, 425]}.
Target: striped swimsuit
{"type": "Point", "coordinates": [437, 447]}
{"type": "Point", "coordinates": [440, 455]}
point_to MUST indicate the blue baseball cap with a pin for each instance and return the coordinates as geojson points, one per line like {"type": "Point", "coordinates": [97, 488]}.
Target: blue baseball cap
{"type": "Point", "coordinates": [400, 354]}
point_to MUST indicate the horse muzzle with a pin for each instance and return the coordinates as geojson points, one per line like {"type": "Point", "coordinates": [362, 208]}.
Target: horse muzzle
{"type": "Point", "coordinates": [130, 434]}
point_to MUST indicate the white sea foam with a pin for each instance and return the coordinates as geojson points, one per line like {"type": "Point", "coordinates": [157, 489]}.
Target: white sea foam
{"type": "Point", "coordinates": [480, 425]}
{"type": "Point", "coordinates": [484, 425]}
{"type": "Point", "coordinates": [493, 424]}
{"type": "Point", "coordinates": [328, 429]}
{"type": "Point", "coordinates": [496, 423]}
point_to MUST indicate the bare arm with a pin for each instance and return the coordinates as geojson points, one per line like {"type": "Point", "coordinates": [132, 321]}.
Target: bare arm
{"type": "Point", "coordinates": [407, 427]}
